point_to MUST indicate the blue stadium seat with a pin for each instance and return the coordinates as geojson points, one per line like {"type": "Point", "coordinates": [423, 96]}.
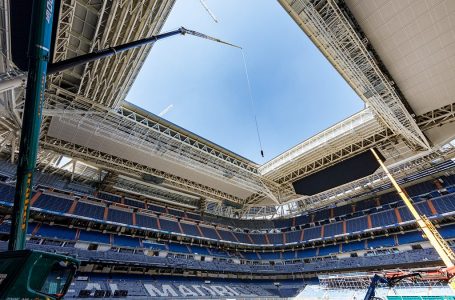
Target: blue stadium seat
{"type": "Point", "coordinates": [288, 255]}
{"type": "Point", "coordinates": [306, 253]}
{"type": "Point", "coordinates": [53, 203]}
{"type": "Point", "coordinates": [56, 232]}
{"type": "Point", "coordinates": [146, 221]}
{"type": "Point", "coordinates": [242, 237]}
{"type": "Point", "coordinates": [7, 192]}
{"type": "Point", "coordinates": [178, 248]}
{"type": "Point", "coordinates": [321, 215]}
{"type": "Point", "coordinates": [420, 188]}
{"type": "Point", "coordinates": [177, 213]}
{"type": "Point", "coordinates": [227, 235]}
{"type": "Point", "coordinates": [258, 238]}
{"type": "Point", "coordinates": [270, 255]}
{"type": "Point", "coordinates": [293, 236]}
{"type": "Point", "coordinates": [282, 223]}
{"type": "Point", "coordinates": [333, 229]}
{"type": "Point", "coordinates": [444, 204]}
{"type": "Point", "coordinates": [327, 250]}
{"type": "Point", "coordinates": [120, 216]}
{"type": "Point", "coordinates": [365, 204]}
{"type": "Point", "coordinates": [342, 210]}
{"type": "Point", "coordinates": [447, 232]}
{"type": "Point", "coordinates": [410, 237]}
{"type": "Point", "coordinates": [209, 232]}
{"type": "Point", "coordinates": [384, 218]}
{"type": "Point", "coordinates": [405, 214]}
{"type": "Point", "coordinates": [312, 233]}
{"type": "Point", "coordinates": [89, 210]}
{"type": "Point", "coordinates": [156, 208]}
{"type": "Point", "coordinates": [5, 227]}
{"type": "Point", "coordinates": [199, 250]}
{"type": "Point", "coordinates": [94, 236]}
{"type": "Point", "coordinates": [126, 241]}
{"type": "Point", "coordinates": [275, 238]}
{"type": "Point", "coordinates": [109, 197]}
{"type": "Point", "coordinates": [250, 255]}
{"type": "Point", "coordinates": [169, 225]}
{"type": "Point", "coordinates": [189, 229]}
{"type": "Point", "coordinates": [356, 224]}
{"type": "Point", "coordinates": [353, 246]}
{"type": "Point", "coordinates": [153, 246]}
{"type": "Point", "coordinates": [386, 241]}
{"type": "Point", "coordinates": [134, 203]}
{"type": "Point", "coordinates": [193, 216]}
{"type": "Point", "coordinates": [302, 220]}
{"type": "Point", "coordinates": [423, 208]}
{"type": "Point", "coordinates": [390, 198]}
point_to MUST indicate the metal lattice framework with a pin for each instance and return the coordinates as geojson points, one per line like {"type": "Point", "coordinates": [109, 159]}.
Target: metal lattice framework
{"type": "Point", "coordinates": [156, 192]}
{"type": "Point", "coordinates": [89, 25]}
{"type": "Point", "coordinates": [153, 135]}
{"type": "Point", "coordinates": [116, 164]}
{"type": "Point", "coordinates": [345, 139]}
{"type": "Point", "coordinates": [333, 32]}
{"type": "Point", "coordinates": [362, 280]}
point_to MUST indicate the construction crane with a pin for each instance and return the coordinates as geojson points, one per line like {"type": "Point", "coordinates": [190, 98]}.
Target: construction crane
{"type": "Point", "coordinates": [431, 233]}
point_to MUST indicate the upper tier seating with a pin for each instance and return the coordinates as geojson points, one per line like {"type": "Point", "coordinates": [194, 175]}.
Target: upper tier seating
{"type": "Point", "coordinates": [376, 215]}
{"type": "Point", "coordinates": [94, 236]}
{"type": "Point", "coordinates": [53, 203]}
{"type": "Point", "coordinates": [89, 210]}
{"type": "Point", "coordinates": [146, 221]}
{"type": "Point", "coordinates": [134, 203]}
{"type": "Point", "coordinates": [120, 216]}
{"type": "Point", "coordinates": [169, 225]}
{"type": "Point", "coordinates": [109, 197]}
{"type": "Point", "coordinates": [126, 241]}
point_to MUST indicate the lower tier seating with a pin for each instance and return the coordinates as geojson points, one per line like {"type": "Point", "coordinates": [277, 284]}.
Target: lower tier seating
{"type": "Point", "coordinates": [165, 287]}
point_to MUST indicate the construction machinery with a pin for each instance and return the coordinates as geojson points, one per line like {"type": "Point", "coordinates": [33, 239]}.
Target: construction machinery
{"type": "Point", "coordinates": [389, 280]}
{"type": "Point", "coordinates": [27, 274]}
{"type": "Point", "coordinates": [430, 232]}
{"type": "Point", "coordinates": [32, 274]}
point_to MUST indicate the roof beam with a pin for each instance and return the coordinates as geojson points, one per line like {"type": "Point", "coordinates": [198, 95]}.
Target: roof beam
{"type": "Point", "coordinates": [331, 29]}
{"type": "Point", "coordinates": [117, 164]}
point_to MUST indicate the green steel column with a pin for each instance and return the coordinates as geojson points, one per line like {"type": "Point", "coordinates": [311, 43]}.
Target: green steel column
{"type": "Point", "coordinates": [39, 45]}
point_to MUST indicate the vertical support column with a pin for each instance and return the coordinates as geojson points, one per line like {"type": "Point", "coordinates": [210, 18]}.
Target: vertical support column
{"type": "Point", "coordinates": [267, 240]}
{"type": "Point", "coordinates": [34, 198]}
{"type": "Point", "coordinates": [397, 214]}
{"type": "Point", "coordinates": [106, 211]}
{"type": "Point", "coordinates": [432, 208]}
{"type": "Point", "coordinates": [73, 206]}
{"type": "Point", "coordinates": [370, 224]}
{"type": "Point", "coordinates": [39, 45]}
{"type": "Point", "coordinates": [217, 233]}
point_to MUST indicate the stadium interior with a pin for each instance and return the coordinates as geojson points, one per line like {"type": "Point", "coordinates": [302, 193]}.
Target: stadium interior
{"type": "Point", "coordinates": [153, 210]}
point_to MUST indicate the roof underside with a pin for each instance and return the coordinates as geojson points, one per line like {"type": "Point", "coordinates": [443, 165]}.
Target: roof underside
{"type": "Point", "coordinates": [399, 56]}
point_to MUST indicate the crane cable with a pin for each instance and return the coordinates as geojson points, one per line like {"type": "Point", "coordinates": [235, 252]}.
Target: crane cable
{"type": "Point", "coordinates": [252, 102]}
{"type": "Point", "coordinates": [207, 9]}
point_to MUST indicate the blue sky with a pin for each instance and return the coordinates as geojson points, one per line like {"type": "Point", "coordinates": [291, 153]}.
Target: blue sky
{"type": "Point", "coordinates": [297, 92]}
